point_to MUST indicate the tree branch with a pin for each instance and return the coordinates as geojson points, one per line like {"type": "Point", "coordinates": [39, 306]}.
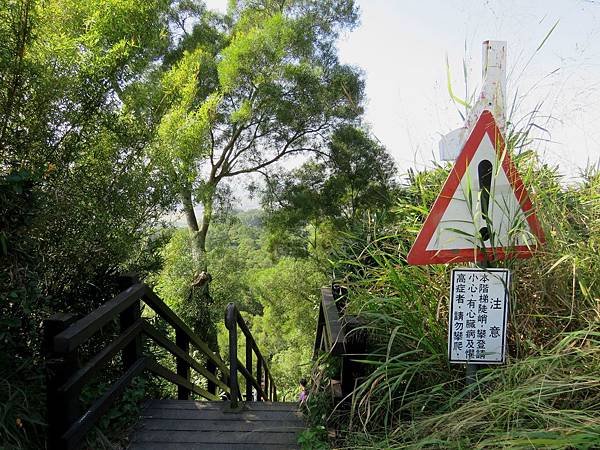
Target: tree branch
{"type": "Point", "coordinates": [266, 163]}
{"type": "Point", "coordinates": [284, 151]}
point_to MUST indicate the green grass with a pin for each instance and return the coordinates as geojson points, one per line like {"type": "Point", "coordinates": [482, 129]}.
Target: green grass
{"type": "Point", "coordinates": [547, 395]}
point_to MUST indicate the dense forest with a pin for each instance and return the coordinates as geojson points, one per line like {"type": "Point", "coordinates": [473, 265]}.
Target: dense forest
{"type": "Point", "coordinates": [117, 116]}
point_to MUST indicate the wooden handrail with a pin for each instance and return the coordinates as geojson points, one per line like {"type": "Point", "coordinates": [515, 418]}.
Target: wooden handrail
{"type": "Point", "coordinates": [233, 320]}
{"type": "Point", "coordinates": [172, 348]}
{"type": "Point", "coordinates": [72, 438]}
{"type": "Point", "coordinates": [78, 333]}
{"type": "Point", "coordinates": [70, 339]}
{"type": "Point", "coordinates": [152, 300]}
{"type": "Point", "coordinates": [67, 424]}
{"type": "Point", "coordinates": [330, 335]}
{"type": "Point", "coordinates": [339, 335]}
{"type": "Point", "coordinates": [83, 375]}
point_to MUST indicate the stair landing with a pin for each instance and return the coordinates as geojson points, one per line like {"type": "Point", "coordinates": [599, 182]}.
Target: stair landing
{"type": "Point", "coordinates": [187, 425]}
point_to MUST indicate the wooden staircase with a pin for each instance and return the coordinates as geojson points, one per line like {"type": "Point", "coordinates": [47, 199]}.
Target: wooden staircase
{"type": "Point", "coordinates": [251, 418]}
{"type": "Point", "coordinates": [180, 424]}
{"type": "Point", "coordinates": [125, 332]}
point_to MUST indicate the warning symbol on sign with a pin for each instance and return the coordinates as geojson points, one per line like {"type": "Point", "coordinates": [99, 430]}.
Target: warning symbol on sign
{"type": "Point", "coordinates": [483, 211]}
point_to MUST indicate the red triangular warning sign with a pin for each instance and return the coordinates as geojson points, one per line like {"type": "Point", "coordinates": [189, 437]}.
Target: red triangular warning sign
{"type": "Point", "coordinates": [483, 211]}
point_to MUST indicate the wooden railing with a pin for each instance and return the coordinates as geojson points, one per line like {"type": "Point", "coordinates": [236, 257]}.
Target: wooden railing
{"type": "Point", "coordinates": [330, 336]}
{"type": "Point", "coordinates": [263, 381]}
{"type": "Point", "coordinates": [64, 338]}
{"type": "Point", "coordinates": [339, 335]}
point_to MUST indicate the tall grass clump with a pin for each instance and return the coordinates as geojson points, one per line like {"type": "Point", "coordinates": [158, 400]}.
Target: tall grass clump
{"type": "Point", "coordinates": [548, 392]}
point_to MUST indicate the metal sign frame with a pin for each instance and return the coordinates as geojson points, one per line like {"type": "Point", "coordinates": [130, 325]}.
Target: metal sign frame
{"type": "Point", "coordinates": [505, 278]}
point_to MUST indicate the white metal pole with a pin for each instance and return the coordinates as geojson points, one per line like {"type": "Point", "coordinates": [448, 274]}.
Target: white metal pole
{"type": "Point", "coordinates": [491, 97]}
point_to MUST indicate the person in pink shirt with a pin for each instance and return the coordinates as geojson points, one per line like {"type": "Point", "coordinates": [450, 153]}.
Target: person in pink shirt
{"type": "Point", "coordinates": [303, 391]}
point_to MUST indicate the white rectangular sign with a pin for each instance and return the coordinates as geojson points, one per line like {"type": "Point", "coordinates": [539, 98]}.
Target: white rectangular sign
{"type": "Point", "coordinates": [478, 315]}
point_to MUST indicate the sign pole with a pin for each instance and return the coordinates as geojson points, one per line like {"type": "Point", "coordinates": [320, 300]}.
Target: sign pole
{"type": "Point", "coordinates": [492, 97]}
{"type": "Point", "coordinates": [493, 93]}
{"type": "Point", "coordinates": [471, 369]}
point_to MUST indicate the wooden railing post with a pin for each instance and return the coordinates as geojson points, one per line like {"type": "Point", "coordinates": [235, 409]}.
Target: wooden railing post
{"type": "Point", "coordinates": [266, 388]}
{"type": "Point", "coordinates": [132, 351]}
{"type": "Point", "coordinates": [249, 396]}
{"type": "Point", "coordinates": [212, 368]}
{"type": "Point", "coordinates": [62, 411]}
{"type": "Point", "coordinates": [231, 324]}
{"type": "Point", "coordinates": [183, 368]}
{"type": "Point", "coordinates": [259, 371]}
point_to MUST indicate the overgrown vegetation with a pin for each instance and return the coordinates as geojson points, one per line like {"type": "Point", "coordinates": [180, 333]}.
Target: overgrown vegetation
{"type": "Point", "coordinates": [109, 113]}
{"type": "Point", "coordinates": [112, 112]}
{"type": "Point", "coordinates": [547, 395]}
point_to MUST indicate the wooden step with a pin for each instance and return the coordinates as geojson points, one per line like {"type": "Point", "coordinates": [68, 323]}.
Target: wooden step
{"type": "Point", "coordinates": [179, 424]}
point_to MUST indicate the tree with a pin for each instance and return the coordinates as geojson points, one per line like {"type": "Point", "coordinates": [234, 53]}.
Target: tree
{"type": "Point", "coordinates": [247, 89]}
{"type": "Point", "coordinates": [78, 197]}
{"type": "Point", "coordinates": [355, 177]}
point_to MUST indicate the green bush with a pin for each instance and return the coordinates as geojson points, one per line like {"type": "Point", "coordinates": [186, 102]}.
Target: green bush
{"type": "Point", "coordinates": [547, 395]}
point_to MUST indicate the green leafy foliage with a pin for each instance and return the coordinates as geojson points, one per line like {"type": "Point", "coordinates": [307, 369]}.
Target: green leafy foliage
{"type": "Point", "coordinates": [244, 90]}
{"type": "Point", "coordinates": [279, 299]}
{"type": "Point", "coordinates": [332, 193]}
{"type": "Point", "coordinates": [289, 294]}
{"type": "Point", "coordinates": [545, 394]}
{"type": "Point", "coordinates": [78, 198]}
{"type": "Point", "coordinates": [314, 438]}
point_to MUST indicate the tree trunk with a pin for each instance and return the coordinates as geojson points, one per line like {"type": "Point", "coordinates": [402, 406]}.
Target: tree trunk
{"type": "Point", "coordinates": [199, 289]}
{"type": "Point", "coordinates": [198, 244]}
{"type": "Point", "coordinates": [206, 218]}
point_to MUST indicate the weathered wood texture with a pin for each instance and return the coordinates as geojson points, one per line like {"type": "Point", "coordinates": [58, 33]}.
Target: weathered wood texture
{"type": "Point", "coordinates": [182, 424]}
{"type": "Point", "coordinates": [340, 335]}
{"type": "Point", "coordinates": [170, 425]}
{"type": "Point", "coordinates": [263, 381]}
{"type": "Point", "coordinates": [330, 334]}
{"type": "Point", "coordinates": [63, 338]}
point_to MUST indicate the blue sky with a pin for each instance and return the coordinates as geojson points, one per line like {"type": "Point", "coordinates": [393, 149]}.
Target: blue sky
{"type": "Point", "coordinates": [402, 46]}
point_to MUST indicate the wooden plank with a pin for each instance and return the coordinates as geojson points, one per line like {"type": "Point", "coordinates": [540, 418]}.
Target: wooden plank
{"type": "Point", "coordinates": [249, 392]}
{"type": "Point", "coordinates": [291, 426]}
{"type": "Point", "coordinates": [171, 376]}
{"type": "Point", "coordinates": [61, 411]}
{"type": "Point", "coordinates": [189, 425]}
{"type": "Point", "coordinates": [211, 367]}
{"type": "Point", "coordinates": [168, 345]}
{"type": "Point", "coordinates": [231, 325]}
{"type": "Point", "coordinates": [215, 446]}
{"type": "Point", "coordinates": [183, 362]}
{"type": "Point", "coordinates": [201, 405]}
{"type": "Point", "coordinates": [333, 323]}
{"type": "Point", "coordinates": [83, 375]}
{"type": "Point", "coordinates": [133, 350]}
{"type": "Point", "coordinates": [242, 324]}
{"type": "Point", "coordinates": [185, 404]}
{"type": "Point", "coordinates": [190, 414]}
{"type": "Point", "coordinates": [319, 335]}
{"type": "Point", "coordinates": [84, 328]}
{"type": "Point", "coordinates": [211, 437]}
